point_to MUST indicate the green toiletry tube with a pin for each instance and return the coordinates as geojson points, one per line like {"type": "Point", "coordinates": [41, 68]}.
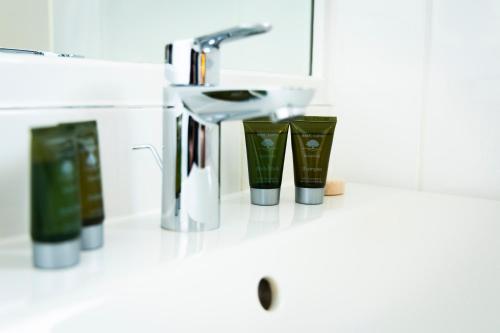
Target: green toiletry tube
{"type": "Point", "coordinates": [266, 145]}
{"type": "Point", "coordinates": [55, 198]}
{"type": "Point", "coordinates": [91, 199]}
{"type": "Point", "coordinates": [311, 145]}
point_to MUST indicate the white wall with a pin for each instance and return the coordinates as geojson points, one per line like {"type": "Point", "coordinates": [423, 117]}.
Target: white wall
{"type": "Point", "coordinates": [77, 27]}
{"type": "Point", "coordinates": [25, 24]}
{"type": "Point", "coordinates": [416, 86]}
{"type": "Point", "coordinates": [460, 146]}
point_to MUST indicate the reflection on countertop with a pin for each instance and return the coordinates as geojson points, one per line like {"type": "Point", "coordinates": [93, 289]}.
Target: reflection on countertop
{"type": "Point", "coordinates": [137, 243]}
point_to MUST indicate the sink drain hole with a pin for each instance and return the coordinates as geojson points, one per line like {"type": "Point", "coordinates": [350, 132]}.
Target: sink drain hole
{"type": "Point", "coordinates": [267, 293]}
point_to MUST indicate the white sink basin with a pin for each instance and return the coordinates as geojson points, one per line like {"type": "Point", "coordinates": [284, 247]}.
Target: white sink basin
{"type": "Point", "coordinates": [373, 260]}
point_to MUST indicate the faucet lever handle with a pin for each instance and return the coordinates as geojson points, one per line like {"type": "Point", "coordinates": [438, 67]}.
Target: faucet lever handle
{"type": "Point", "coordinates": [196, 61]}
{"type": "Point", "coordinates": [213, 40]}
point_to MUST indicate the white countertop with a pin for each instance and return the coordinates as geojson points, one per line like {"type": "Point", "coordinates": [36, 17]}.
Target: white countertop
{"type": "Point", "coordinates": [442, 251]}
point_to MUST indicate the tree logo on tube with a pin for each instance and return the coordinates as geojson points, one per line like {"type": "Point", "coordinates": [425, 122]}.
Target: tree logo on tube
{"type": "Point", "coordinates": [312, 144]}
{"type": "Point", "coordinates": [267, 143]}
{"type": "Point", "coordinates": [67, 169]}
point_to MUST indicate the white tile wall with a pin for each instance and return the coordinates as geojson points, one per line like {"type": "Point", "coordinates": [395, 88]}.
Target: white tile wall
{"type": "Point", "coordinates": [34, 81]}
{"type": "Point", "coordinates": [461, 135]}
{"type": "Point", "coordinates": [416, 86]}
{"type": "Point", "coordinates": [377, 52]}
{"type": "Point", "coordinates": [231, 156]}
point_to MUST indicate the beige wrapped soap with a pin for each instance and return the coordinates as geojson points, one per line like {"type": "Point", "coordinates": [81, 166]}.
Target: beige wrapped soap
{"type": "Point", "coordinates": [334, 187]}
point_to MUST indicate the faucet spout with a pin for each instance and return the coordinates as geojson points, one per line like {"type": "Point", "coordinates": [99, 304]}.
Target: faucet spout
{"type": "Point", "coordinates": [196, 61]}
{"type": "Point", "coordinates": [217, 104]}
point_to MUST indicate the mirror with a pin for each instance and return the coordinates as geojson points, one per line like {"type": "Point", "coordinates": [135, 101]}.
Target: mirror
{"type": "Point", "coordinates": [137, 30]}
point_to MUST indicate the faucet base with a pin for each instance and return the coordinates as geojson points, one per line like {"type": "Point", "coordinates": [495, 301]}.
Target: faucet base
{"type": "Point", "coordinates": [188, 225]}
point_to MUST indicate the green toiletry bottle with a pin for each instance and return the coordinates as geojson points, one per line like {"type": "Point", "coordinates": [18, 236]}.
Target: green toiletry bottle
{"type": "Point", "coordinates": [266, 146]}
{"type": "Point", "coordinates": [55, 198]}
{"type": "Point", "coordinates": [91, 199]}
{"type": "Point", "coordinates": [312, 138]}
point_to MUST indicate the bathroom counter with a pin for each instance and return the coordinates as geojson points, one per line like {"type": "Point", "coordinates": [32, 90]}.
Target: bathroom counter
{"type": "Point", "coordinates": [374, 259]}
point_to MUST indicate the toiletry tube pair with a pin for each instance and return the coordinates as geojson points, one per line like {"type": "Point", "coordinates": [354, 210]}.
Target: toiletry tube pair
{"type": "Point", "coordinates": [311, 145]}
{"type": "Point", "coordinates": [66, 193]}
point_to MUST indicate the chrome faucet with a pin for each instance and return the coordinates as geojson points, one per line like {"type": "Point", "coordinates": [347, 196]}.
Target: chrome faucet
{"type": "Point", "coordinates": [194, 108]}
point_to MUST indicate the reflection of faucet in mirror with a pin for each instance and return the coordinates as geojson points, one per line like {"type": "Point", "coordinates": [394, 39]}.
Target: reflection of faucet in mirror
{"type": "Point", "coordinates": [194, 108]}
